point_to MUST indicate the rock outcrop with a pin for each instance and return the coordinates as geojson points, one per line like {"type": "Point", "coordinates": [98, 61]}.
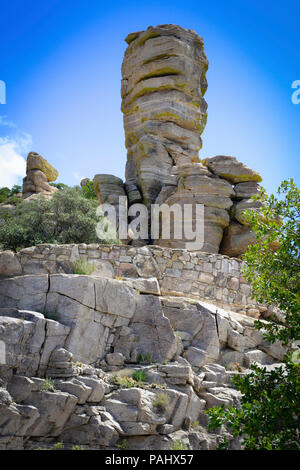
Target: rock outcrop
{"type": "Point", "coordinates": [39, 173]}
{"type": "Point", "coordinates": [133, 355]}
{"type": "Point", "coordinates": [67, 374]}
{"type": "Point", "coordinates": [163, 84]}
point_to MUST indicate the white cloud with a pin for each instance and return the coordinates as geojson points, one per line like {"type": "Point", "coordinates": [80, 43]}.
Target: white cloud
{"type": "Point", "coordinates": [13, 149]}
{"type": "Point", "coordinates": [77, 176]}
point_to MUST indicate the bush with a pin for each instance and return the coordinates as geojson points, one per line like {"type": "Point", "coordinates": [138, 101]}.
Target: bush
{"type": "Point", "coordinates": [6, 193]}
{"type": "Point", "coordinates": [140, 376]}
{"type": "Point", "coordinates": [145, 358]}
{"type": "Point", "coordinates": [68, 217]}
{"type": "Point", "coordinates": [123, 444]}
{"type": "Point", "coordinates": [48, 385]}
{"type": "Point", "coordinates": [161, 402]}
{"type": "Point", "coordinates": [269, 415]}
{"type": "Point", "coordinates": [88, 190]}
{"type": "Point", "coordinates": [58, 446]}
{"type": "Point", "coordinates": [82, 266]}
{"type": "Point", "coordinates": [178, 445]}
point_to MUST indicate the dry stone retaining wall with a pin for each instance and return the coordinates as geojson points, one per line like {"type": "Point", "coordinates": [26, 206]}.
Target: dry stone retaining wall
{"type": "Point", "coordinates": [203, 276]}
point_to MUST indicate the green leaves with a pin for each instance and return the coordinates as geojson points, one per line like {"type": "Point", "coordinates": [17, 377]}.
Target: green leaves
{"type": "Point", "coordinates": [272, 264]}
{"type": "Point", "coordinates": [68, 217]}
{"type": "Point", "coordinates": [269, 414]}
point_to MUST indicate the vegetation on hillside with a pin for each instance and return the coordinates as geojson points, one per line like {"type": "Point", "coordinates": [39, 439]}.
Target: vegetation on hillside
{"type": "Point", "coordinates": [269, 416]}
{"type": "Point", "coordinates": [68, 217]}
{"type": "Point", "coordinates": [9, 196]}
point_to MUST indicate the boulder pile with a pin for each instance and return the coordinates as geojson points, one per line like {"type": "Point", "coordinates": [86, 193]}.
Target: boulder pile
{"type": "Point", "coordinates": [39, 173]}
{"type": "Point", "coordinates": [163, 87]}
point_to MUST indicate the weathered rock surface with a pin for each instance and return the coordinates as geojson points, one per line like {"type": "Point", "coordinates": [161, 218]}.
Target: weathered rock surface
{"type": "Point", "coordinates": [105, 328]}
{"type": "Point", "coordinates": [236, 239]}
{"type": "Point", "coordinates": [108, 188]}
{"type": "Point", "coordinates": [231, 169]}
{"type": "Point", "coordinates": [246, 190]}
{"type": "Point", "coordinates": [163, 83]}
{"type": "Point", "coordinates": [39, 173]}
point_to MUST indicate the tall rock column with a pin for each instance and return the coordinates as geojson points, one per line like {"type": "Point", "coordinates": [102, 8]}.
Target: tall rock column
{"type": "Point", "coordinates": [163, 84]}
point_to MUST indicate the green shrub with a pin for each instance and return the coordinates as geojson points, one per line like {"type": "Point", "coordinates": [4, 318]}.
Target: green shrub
{"type": "Point", "coordinates": [145, 358]}
{"type": "Point", "coordinates": [88, 190]}
{"type": "Point", "coordinates": [76, 447]}
{"type": "Point", "coordinates": [82, 266]}
{"type": "Point", "coordinates": [123, 382]}
{"type": "Point", "coordinates": [178, 445]}
{"type": "Point", "coordinates": [47, 385]}
{"type": "Point", "coordinates": [58, 446]}
{"type": "Point", "coordinates": [161, 402]}
{"type": "Point", "coordinates": [126, 382]}
{"type": "Point", "coordinates": [6, 194]}
{"type": "Point", "coordinates": [140, 376]}
{"type": "Point", "coordinates": [68, 217]}
{"type": "Point", "coordinates": [123, 444]}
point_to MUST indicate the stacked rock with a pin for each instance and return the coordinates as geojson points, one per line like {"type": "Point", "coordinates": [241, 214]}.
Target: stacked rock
{"type": "Point", "coordinates": [61, 364]}
{"type": "Point", "coordinates": [198, 186]}
{"type": "Point", "coordinates": [39, 173]}
{"type": "Point", "coordinates": [108, 189]}
{"type": "Point", "coordinates": [163, 83]}
{"type": "Point", "coordinates": [238, 235]}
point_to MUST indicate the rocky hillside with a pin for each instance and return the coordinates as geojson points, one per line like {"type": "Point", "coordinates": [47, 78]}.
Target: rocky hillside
{"type": "Point", "coordinates": [108, 363]}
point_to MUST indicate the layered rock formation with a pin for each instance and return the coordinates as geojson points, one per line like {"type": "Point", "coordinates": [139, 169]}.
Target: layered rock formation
{"type": "Point", "coordinates": [163, 84]}
{"type": "Point", "coordinates": [163, 87]}
{"type": "Point", "coordinates": [39, 173]}
{"type": "Point", "coordinates": [65, 372]}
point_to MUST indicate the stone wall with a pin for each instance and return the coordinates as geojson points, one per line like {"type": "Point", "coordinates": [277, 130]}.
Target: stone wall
{"type": "Point", "coordinates": [210, 277]}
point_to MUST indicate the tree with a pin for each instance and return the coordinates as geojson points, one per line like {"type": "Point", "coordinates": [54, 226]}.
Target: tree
{"type": "Point", "coordinates": [269, 415]}
{"type": "Point", "coordinates": [6, 193]}
{"type": "Point", "coordinates": [88, 190]}
{"type": "Point", "coordinates": [68, 217]}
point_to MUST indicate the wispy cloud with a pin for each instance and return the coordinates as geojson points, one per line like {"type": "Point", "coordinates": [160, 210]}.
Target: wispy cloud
{"type": "Point", "coordinates": [13, 149]}
{"type": "Point", "coordinates": [77, 176]}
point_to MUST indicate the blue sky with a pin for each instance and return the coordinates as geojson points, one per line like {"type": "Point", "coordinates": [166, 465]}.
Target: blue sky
{"type": "Point", "coordinates": [61, 62]}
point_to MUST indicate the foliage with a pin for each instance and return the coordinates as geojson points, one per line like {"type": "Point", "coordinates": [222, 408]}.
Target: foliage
{"type": "Point", "coordinates": [47, 385]}
{"type": "Point", "coordinates": [123, 444]}
{"type": "Point", "coordinates": [161, 402]}
{"type": "Point", "coordinates": [146, 358]}
{"type": "Point", "coordinates": [88, 190]}
{"type": "Point", "coordinates": [82, 266]}
{"type": "Point", "coordinates": [66, 218]}
{"type": "Point", "coordinates": [178, 445]}
{"type": "Point", "coordinates": [140, 376]}
{"type": "Point", "coordinates": [269, 414]}
{"type": "Point", "coordinates": [58, 446]}
{"type": "Point", "coordinates": [127, 382]}
{"type": "Point", "coordinates": [9, 196]}
{"type": "Point", "coordinates": [4, 194]}
{"type": "Point", "coordinates": [272, 264]}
